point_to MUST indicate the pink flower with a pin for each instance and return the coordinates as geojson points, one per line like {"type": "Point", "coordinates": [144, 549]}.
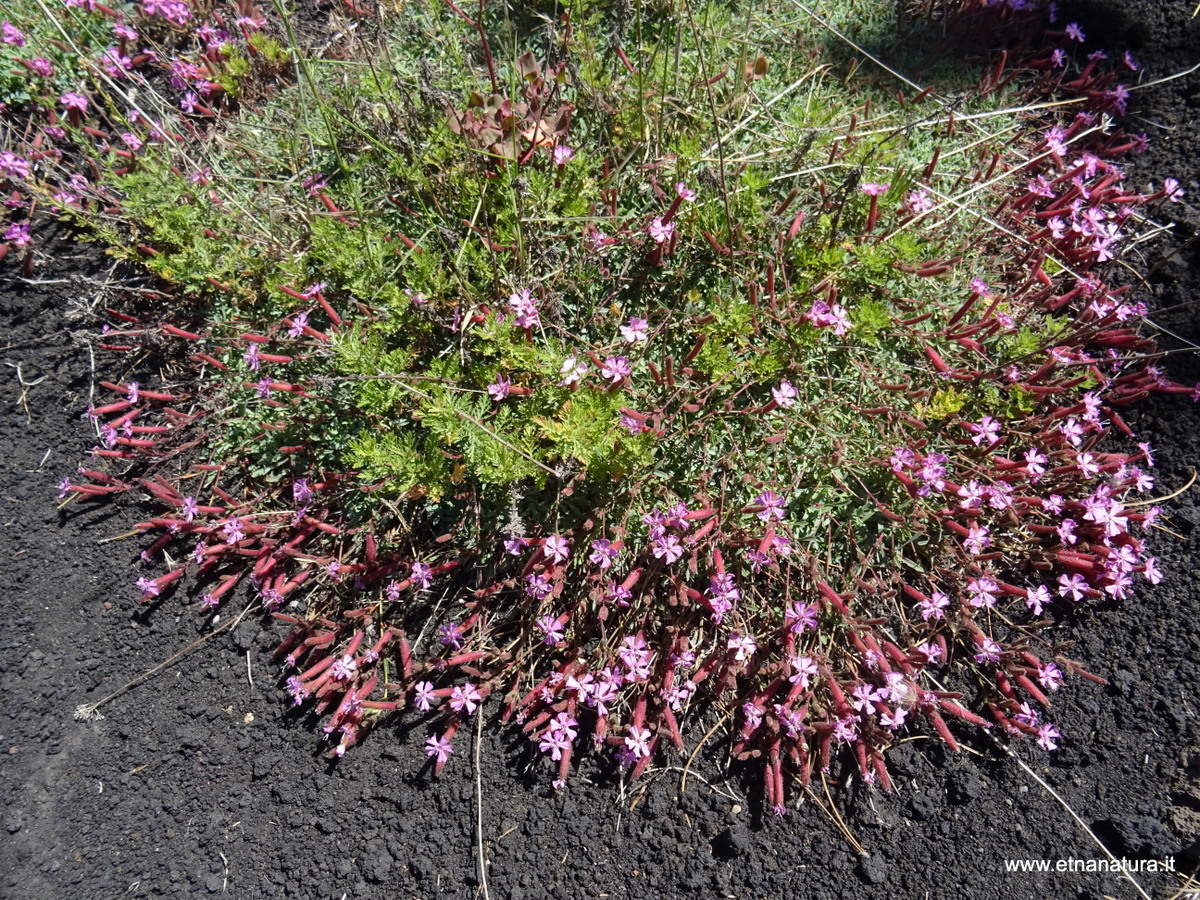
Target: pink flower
{"type": "Point", "coordinates": [977, 540]}
{"type": "Point", "coordinates": [634, 331]}
{"type": "Point", "coordinates": [499, 389]}
{"type": "Point", "coordinates": [1073, 586]}
{"type": "Point", "coordinates": [804, 670]}
{"type": "Point", "coordinates": [551, 628]}
{"type": "Point", "coordinates": [524, 309]}
{"type": "Point", "coordinates": [661, 232]}
{"type": "Point", "coordinates": [934, 606]}
{"type": "Point", "coordinates": [743, 646]}
{"type": "Point", "coordinates": [918, 201]}
{"type": "Point", "coordinates": [343, 669]}
{"type": "Point", "coordinates": [1172, 190]}
{"type": "Point", "coordinates": [874, 190]}
{"type": "Point", "coordinates": [638, 742]}
{"type": "Point", "coordinates": [616, 368]}
{"type": "Point", "coordinates": [632, 425]}
{"type": "Point", "coordinates": [1047, 735]}
{"type": "Point", "coordinates": [784, 395]}
{"type": "Point", "coordinates": [465, 698]}
{"type": "Point", "coordinates": [422, 576]}
{"type": "Point", "coordinates": [563, 155]}
{"type": "Point", "coordinates": [18, 233]}
{"type": "Point", "coordinates": [1050, 677]}
{"type": "Point", "coordinates": [13, 166]}
{"type": "Point", "coordinates": [772, 506]}
{"type": "Point", "coordinates": [424, 697]}
{"type": "Point", "coordinates": [1037, 599]}
{"type": "Point", "coordinates": [1075, 33]}
{"type": "Point", "coordinates": [11, 35]}
{"type": "Point", "coordinates": [800, 617]}
{"type": "Point", "coordinates": [683, 192]}
{"type": "Point", "coordinates": [989, 651]}
{"type": "Point", "coordinates": [558, 548]}
{"type": "Point", "coordinates": [572, 371]}
{"type": "Point", "coordinates": [603, 553]}
{"type": "Point", "coordinates": [987, 430]}
{"type": "Point", "coordinates": [438, 746]}
{"type": "Point", "coordinates": [668, 548]}
{"type": "Point", "coordinates": [233, 530]}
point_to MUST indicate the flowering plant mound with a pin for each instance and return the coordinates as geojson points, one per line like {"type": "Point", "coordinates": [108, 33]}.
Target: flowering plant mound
{"type": "Point", "coordinates": [615, 394]}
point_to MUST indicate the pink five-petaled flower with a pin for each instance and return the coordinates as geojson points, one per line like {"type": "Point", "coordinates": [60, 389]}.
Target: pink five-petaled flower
{"type": "Point", "coordinates": [251, 357]}
{"type": "Point", "coordinates": [343, 669]}
{"type": "Point", "coordinates": [934, 606]}
{"type": "Point", "coordinates": [551, 629]}
{"type": "Point", "coordinates": [572, 371]}
{"type": "Point", "coordinates": [667, 548]}
{"type": "Point", "coordinates": [423, 696]}
{"type": "Point", "coordinates": [515, 545]}
{"type": "Point", "coordinates": [638, 741]}
{"type": "Point", "coordinates": [465, 698]}
{"type": "Point", "coordinates": [524, 309]}
{"type": "Point", "coordinates": [555, 742]}
{"type": "Point", "coordinates": [632, 425]}
{"type": "Point", "coordinates": [1047, 735]}
{"type": "Point", "coordinates": [1050, 677]}
{"type": "Point", "coordinates": [983, 592]}
{"type": "Point", "coordinates": [603, 553]}
{"type": "Point", "coordinates": [537, 587]}
{"type": "Point", "coordinates": [1073, 586]}
{"type": "Point", "coordinates": [616, 368]}
{"type": "Point", "coordinates": [1075, 33]}
{"type": "Point", "coordinates": [986, 431]}
{"type": "Point", "coordinates": [299, 323]}
{"type": "Point", "coordinates": [13, 166]}
{"type": "Point", "coordinates": [1173, 191]}
{"type": "Point", "coordinates": [190, 509]}
{"type": "Point", "coordinates": [563, 155]}
{"type": "Point", "coordinates": [557, 547]}
{"type": "Point", "coordinates": [499, 389]}
{"type": "Point", "coordinates": [422, 576]}
{"type": "Point", "coordinates": [72, 100]}
{"type": "Point", "coordinates": [743, 646]}
{"type": "Point", "coordinates": [800, 617]}
{"type": "Point", "coordinates": [1038, 599]}
{"type": "Point", "coordinates": [989, 651]}
{"type": "Point", "coordinates": [977, 540]}
{"type": "Point", "coordinates": [784, 395]}
{"type": "Point", "coordinates": [634, 330]}
{"type": "Point", "coordinates": [683, 192]}
{"type": "Point", "coordinates": [233, 530]}
{"type": "Point", "coordinates": [18, 233]}
{"type": "Point", "coordinates": [450, 636]}
{"type": "Point", "coordinates": [11, 34]}
{"type": "Point", "coordinates": [772, 506]}
{"type": "Point", "coordinates": [874, 190]}
{"type": "Point", "coordinates": [148, 587]}
{"type": "Point", "coordinates": [660, 232]}
{"type": "Point", "coordinates": [438, 746]}
{"type": "Point", "coordinates": [822, 315]}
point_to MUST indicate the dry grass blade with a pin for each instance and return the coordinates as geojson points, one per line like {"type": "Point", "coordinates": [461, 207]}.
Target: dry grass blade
{"type": "Point", "coordinates": [87, 712]}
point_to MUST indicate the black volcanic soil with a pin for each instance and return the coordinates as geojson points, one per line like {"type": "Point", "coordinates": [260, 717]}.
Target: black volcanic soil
{"type": "Point", "coordinates": [201, 781]}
